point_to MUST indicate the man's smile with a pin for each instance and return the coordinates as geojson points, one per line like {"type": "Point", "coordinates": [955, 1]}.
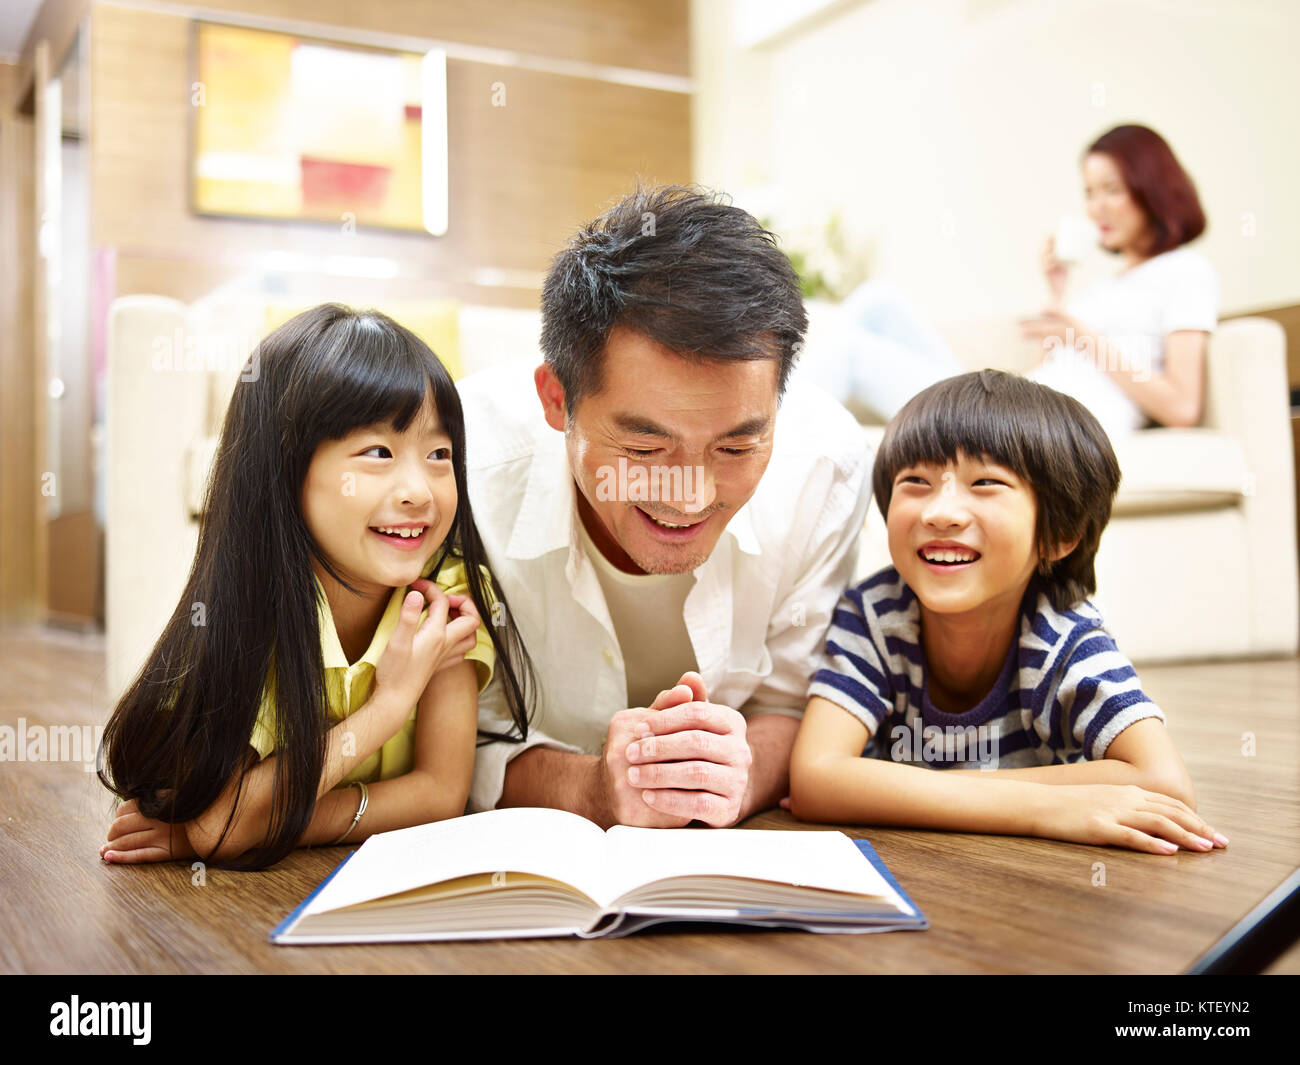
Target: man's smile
{"type": "Point", "coordinates": [672, 532]}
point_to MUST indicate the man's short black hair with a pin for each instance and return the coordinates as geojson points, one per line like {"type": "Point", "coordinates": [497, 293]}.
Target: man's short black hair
{"type": "Point", "coordinates": [1050, 440]}
{"type": "Point", "coordinates": [681, 266]}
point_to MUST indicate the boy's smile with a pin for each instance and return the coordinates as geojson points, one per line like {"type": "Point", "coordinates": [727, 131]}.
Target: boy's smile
{"type": "Point", "coordinates": [946, 555]}
{"type": "Point", "coordinates": [963, 536]}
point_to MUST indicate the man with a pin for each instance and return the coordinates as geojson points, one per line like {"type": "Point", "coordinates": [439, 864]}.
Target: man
{"type": "Point", "coordinates": [672, 536]}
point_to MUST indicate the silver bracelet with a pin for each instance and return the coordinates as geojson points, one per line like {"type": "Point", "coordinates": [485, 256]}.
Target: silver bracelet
{"type": "Point", "coordinates": [361, 808]}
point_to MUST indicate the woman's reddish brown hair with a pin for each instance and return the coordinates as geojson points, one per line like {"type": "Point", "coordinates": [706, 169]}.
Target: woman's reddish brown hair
{"type": "Point", "coordinates": [1158, 184]}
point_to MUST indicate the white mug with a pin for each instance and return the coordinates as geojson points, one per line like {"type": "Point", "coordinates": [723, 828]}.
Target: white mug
{"type": "Point", "coordinates": [1075, 237]}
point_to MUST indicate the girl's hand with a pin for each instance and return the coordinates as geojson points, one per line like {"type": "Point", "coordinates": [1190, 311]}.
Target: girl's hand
{"type": "Point", "coordinates": [1122, 815]}
{"type": "Point", "coordinates": [414, 654]}
{"type": "Point", "coordinates": [1055, 272]}
{"type": "Point", "coordinates": [134, 838]}
{"type": "Point", "coordinates": [461, 606]}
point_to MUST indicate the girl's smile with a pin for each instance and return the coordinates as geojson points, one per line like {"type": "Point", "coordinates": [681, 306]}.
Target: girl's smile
{"type": "Point", "coordinates": [380, 502]}
{"type": "Point", "coordinates": [402, 537]}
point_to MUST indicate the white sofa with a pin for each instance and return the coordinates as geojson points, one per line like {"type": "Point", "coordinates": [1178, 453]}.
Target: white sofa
{"type": "Point", "coordinates": [1199, 560]}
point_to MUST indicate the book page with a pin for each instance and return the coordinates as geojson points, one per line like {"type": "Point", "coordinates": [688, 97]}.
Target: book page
{"type": "Point", "coordinates": [548, 843]}
{"type": "Point", "coordinates": [817, 859]}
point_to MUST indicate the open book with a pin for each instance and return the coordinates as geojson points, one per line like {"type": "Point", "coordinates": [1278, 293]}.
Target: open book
{"type": "Point", "coordinates": [534, 872]}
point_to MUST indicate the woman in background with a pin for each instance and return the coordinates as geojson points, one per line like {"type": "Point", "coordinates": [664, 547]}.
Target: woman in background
{"type": "Point", "coordinates": [1131, 348]}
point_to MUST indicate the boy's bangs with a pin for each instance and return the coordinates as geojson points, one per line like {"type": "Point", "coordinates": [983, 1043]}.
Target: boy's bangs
{"type": "Point", "coordinates": [965, 417]}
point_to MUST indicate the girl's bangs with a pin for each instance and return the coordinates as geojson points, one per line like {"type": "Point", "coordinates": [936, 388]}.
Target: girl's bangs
{"type": "Point", "coordinates": [375, 374]}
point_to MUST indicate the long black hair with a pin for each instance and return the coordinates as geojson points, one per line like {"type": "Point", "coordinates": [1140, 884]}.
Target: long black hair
{"type": "Point", "coordinates": [181, 732]}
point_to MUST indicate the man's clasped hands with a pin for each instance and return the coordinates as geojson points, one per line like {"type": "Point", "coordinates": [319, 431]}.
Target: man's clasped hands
{"type": "Point", "coordinates": [683, 759]}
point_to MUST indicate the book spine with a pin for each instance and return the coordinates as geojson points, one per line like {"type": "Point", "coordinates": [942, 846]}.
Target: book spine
{"type": "Point", "coordinates": [283, 930]}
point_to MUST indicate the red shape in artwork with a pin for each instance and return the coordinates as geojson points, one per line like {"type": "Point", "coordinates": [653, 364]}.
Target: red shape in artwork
{"type": "Point", "coordinates": [328, 183]}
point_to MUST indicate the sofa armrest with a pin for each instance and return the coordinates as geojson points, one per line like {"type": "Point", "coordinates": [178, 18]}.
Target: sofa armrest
{"type": "Point", "coordinates": [156, 405]}
{"type": "Point", "coordinates": [1245, 370]}
{"type": "Point", "coordinates": [1246, 396]}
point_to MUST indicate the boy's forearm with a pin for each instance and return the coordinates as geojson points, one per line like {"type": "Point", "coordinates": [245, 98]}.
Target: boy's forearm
{"type": "Point", "coordinates": [853, 790]}
{"type": "Point", "coordinates": [1100, 771]}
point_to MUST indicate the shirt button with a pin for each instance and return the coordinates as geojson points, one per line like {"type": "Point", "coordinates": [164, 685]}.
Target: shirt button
{"type": "Point", "coordinates": [609, 655]}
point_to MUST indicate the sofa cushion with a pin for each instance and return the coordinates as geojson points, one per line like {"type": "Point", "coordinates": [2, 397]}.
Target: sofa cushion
{"type": "Point", "coordinates": [1180, 469]}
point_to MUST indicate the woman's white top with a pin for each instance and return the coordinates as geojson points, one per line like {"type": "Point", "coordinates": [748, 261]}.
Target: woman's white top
{"type": "Point", "coordinates": [1135, 310]}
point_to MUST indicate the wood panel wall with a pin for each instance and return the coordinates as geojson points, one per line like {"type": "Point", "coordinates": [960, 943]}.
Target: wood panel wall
{"type": "Point", "coordinates": [43, 69]}
{"type": "Point", "coordinates": [19, 488]}
{"type": "Point", "coordinates": [522, 176]}
{"type": "Point", "coordinates": [56, 24]}
{"type": "Point", "coordinates": [641, 34]}
{"type": "Point", "coordinates": [578, 129]}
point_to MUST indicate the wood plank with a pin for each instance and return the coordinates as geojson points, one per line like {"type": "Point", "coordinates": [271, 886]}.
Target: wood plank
{"type": "Point", "coordinates": [996, 904]}
{"type": "Point", "coordinates": [76, 586]}
{"type": "Point", "coordinates": [9, 78]}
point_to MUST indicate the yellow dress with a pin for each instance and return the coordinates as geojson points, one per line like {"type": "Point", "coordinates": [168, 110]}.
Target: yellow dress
{"type": "Point", "coordinates": [347, 687]}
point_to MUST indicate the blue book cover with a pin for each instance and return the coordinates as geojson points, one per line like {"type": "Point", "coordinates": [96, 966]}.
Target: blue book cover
{"type": "Point", "coordinates": [283, 927]}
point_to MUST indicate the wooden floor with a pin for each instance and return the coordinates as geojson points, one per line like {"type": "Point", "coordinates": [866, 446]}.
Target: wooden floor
{"type": "Point", "coordinates": [995, 904]}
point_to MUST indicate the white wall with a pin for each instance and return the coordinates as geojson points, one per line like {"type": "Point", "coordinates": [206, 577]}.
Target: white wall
{"type": "Point", "coordinates": [949, 132]}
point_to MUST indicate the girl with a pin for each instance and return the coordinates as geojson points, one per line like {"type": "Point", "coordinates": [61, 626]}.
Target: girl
{"type": "Point", "coordinates": [291, 669]}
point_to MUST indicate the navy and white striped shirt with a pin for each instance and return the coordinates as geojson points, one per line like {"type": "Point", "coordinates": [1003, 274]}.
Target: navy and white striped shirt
{"type": "Point", "coordinates": [1064, 693]}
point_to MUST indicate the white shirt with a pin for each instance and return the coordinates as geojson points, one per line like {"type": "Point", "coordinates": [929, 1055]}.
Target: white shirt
{"type": "Point", "coordinates": [1135, 310]}
{"type": "Point", "coordinates": [761, 604]}
{"type": "Point", "coordinates": [649, 615]}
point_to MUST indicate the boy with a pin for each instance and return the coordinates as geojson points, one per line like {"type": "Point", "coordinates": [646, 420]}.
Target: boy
{"type": "Point", "coordinates": [978, 652]}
